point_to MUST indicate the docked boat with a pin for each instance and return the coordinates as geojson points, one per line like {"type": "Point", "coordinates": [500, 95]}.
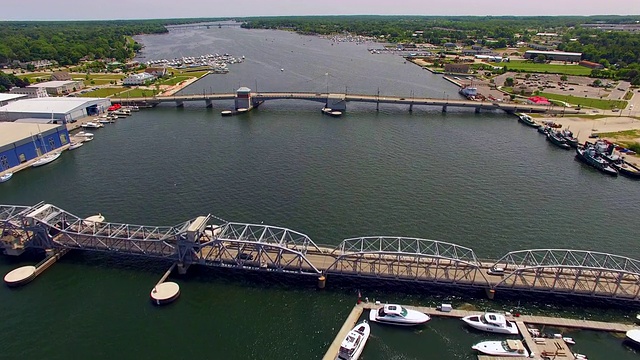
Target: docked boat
{"type": "Point", "coordinates": [326, 110]}
{"type": "Point", "coordinates": [633, 335]}
{"type": "Point", "coordinates": [75, 145]}
{"type": "Point", "coordinates": [589, 156]}
{"type": "Point", "coordinates": [567, 135]}
{"type": "Point", "coordinates": [527, 120]}
{"type": "Point", "coordinates": [6, 177]}
{"type": "Point", "coordinates": [556, 139]}
{"type": "Point", "coordinates": [46, 159]}
{"type": "Point", "coordinates": [544, 129]}
{"type": "Point", "coordinates": [491, 322]}
{"type": "Point", "coordinates": [627, 169]}
{"type": "Point", "coordinates": [92, 125]}
{"type": "Point", "coordinates": [354, 343]}
{"type": "Point", "coordinates": [507, 348]}
{"type": "Point", "coordinates": [398, 315]}
{"type": "Point", "coordinates": [133, 108]}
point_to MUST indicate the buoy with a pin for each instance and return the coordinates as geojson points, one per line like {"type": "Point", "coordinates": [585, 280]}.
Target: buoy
{"type": "Point", "coordinates": [322, 280]}
{"type": "Point", "coordinates": [165, 293]}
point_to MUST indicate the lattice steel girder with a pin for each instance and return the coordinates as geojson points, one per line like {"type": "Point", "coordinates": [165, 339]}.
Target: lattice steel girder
{"type": "Point", "coordinates": [265, 234]}
{"type": "Point", "coordinates": [404, 266]}
{"type": "Point", "coordinates": [14, 212]}
{"type": "Point", "coordinates": [244, 253]}
{"type": "Point", "coordinates": [409, 247]}
{"type": "Point", "coordinates": [568, 258]}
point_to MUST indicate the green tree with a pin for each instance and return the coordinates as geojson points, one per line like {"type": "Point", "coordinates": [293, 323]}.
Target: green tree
{"type": "Point", "coordinates": [508, 82]}
{"type": "Point", "coordinates": [564, 78]}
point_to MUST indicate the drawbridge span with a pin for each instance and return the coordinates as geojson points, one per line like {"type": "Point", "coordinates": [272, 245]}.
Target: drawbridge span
{"type": "Point", "coordinates": [212, 241]}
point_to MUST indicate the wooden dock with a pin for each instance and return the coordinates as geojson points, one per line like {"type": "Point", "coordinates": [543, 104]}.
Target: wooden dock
{"type": "Point", "coordinates": [554, 348]}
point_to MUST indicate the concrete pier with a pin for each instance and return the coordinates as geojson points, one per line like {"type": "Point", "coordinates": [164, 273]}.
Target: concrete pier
{"type": "Point", "coordinates": [165, 292]}
{"type": "Point", "coordinates": [24, 275]}
{"type": "Point", "coordinates": [351, 321]}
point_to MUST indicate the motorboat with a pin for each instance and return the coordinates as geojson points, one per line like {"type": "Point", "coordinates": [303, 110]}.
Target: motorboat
{"type": "Point", "coordinates": [491, 322]}
{"type": "Point", "coordinates": [6, 177]}
{"type": "Point", "coordinates": [354, 342]}
{"type": "Point", "coordinates": [633, 335]}
{"type": "Point", "coordinates": [506, 348]}
{"type": "Point", "coordinates": [75, 145]}
{"type": "Point", "coordinates": [589, 156]}
{"type": "Point", "coordinates": [92, 125]}
{"type": "Point", "coordinates": [527, 120]}
{"type": "Point", "coordinates": [398, 315]}
{"type": "Point", "coordinates": [568, 136]}
{"type": "Point", "coordinates": [556, 139]}
{"type": "Point", "coordinates": [46, 159]}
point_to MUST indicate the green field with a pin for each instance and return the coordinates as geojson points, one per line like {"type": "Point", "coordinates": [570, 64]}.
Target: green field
{"type": "Point", "coordinates": [589, 102]}
{"type": "Point", "coordinates": [103, 92]}
{"type": "Point", "coordinates": [175, 80]}
{"type": "Point", "coordinates": [96, 82]}
{"type": "Point", "coordinates": [138, 93]}
{"type": "Point", "coordinates": [526, 66]}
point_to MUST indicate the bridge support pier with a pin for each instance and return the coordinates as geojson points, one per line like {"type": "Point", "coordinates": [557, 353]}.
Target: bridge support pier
{"type": "Point", "coordinates": [208, 103]}
{"type": "Point", "coordinates": [322, 282]}
{"type": "Point", "coordinates": [477, 110]}
{"type": "Point", "coordinates": [377, 106]}
{"type": "Point", "coordinates": [444, 109]}
{"type": "Point", "coordinates": [179, 104]}
{"type": "Point", "coordinates": [491, 293]}
{"type": "Point", "coordinates": [182, 268]}
{"type": "Point", "coordinates": [411, 107]}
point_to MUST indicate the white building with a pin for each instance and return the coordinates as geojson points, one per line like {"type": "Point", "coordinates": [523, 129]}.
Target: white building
{"type": "Point", "coordinates": [138, 79]}
{"type": "Point", "coordinates": [59, 87]}
{"type": "Point", "coordinates": [57, 109]}
{"type": "Point", "coordinates": [30, 92]}
{"type": "Point", "coordinates": [7, 98]}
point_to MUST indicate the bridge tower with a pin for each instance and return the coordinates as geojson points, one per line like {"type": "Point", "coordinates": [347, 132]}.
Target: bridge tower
{"type": "Point", "coordinates": [243, 98]}
{"type": "Point", "coordinates": [336, 102]}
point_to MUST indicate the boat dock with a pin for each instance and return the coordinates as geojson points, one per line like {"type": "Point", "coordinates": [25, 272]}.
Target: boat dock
{"type": "Point", "coordinates": [555, 348]}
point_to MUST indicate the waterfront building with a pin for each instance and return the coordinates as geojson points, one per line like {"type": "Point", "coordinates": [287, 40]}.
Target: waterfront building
{"type": "Point", "coordinates": [21, 142]}
{"type": "Point", "coordinates": [554, 55]}
{"type": "Point", "coordinates": [30, 92]}
{"type": "Point", "coordinates": [59, 109]}
{"type": "Point", "coordinates": [59, 87]}
{"type": "Point", "coordinates": [138, 79]}
{"type": "Point", "coordinates": [156, 71]}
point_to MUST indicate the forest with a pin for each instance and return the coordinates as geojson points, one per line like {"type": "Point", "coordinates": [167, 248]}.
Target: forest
{"type": "Point", "coordinates": [69, 41]}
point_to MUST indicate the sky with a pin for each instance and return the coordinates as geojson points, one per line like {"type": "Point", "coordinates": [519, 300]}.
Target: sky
{"type": "Point", "coordinates": [157, 9]}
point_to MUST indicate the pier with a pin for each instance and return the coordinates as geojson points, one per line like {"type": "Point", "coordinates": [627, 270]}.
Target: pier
{"type": "Point", "coordinates": [212, 241]}
{"type": "Point", "coordinates": [338, 101]}
{"type": "Point", "coordinates": [555, 348]}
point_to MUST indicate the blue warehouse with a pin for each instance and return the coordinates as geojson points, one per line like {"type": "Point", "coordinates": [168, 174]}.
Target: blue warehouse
{"type": "Point", "coordinates": [21, 142]}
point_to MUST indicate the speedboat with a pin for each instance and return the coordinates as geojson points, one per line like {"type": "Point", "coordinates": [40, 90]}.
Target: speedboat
{"type": "Point", "coordinates": [633, 336]}
{"type": "Point", "coordinates": [527, 120]}
{"type": "Point", "coordinates": [75, 145]}
{"type": "Point", "coordinates": [398, 315]}
{"type": "Point", "coordinates": [92, 125]}
{"type": "Point", "coordinates": [6, 177]}
{"type": "Point", "coordinates": [510, 348]}
{"type": "Point", "coordinates": [491, 322]}
{"type": "Point", "coordinates": [46, 159]}
{"type": "Point", "coordinates": [353, 344]}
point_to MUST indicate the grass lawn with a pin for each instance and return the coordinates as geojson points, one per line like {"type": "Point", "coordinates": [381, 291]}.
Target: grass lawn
{"type": "Point", "coordinates": [197, 72]}
{"type": "Point", "coordinates": [96, 82]}
{"type": "Point", "coordinates": [33, 76]}
{"type": "Point", "coordinates": [138, 93]}
{"type": "Point", "coordinates": [526, 66]}
{"type": "Point", "coordinates": [107, 76]}
{"type": "Point", "coordinates": [590, 102]}
{"type": "Point", "coordinates": [175, 80]}
{"type": "Point", "coordinates": [103, 92]}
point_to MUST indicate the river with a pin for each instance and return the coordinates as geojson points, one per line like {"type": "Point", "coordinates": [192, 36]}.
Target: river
{"type": "Point", "coordinates": [478, 180]}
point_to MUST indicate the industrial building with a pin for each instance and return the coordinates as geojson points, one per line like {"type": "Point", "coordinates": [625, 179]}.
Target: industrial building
{"type": "Point", "coordinates": [59, 87]}
{"type": "Point", "coordinates": [21, 142]}
{"type": "Point", "coordinates": [554, 55]}
{"type": "Point", "coordinates": [58, 109]}
{"type": "Point", "coordinates": [30, 92]}
{"type": "Point", "coordinates": [7, 98]}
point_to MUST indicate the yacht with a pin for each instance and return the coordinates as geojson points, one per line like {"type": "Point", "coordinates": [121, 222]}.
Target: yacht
{"type": "Point", "coordinates": [46, 159]}
{"type": "Point", "coordinates": [398, 315]}
{"type": "Point", "coordinates": [511, 348]}
{"type": "Point", "coordinates": [75, 145]}
{"type": "Point", "coordinates": [6, 177]}
{"type": "Point", "coordinates": [353, 344]}
{"type": "Point", "coordinates": [491, 322]}
{"type": "Point", "coordinates": [633, 336]}
{"type": "Point", "coordinates": [92, 125]}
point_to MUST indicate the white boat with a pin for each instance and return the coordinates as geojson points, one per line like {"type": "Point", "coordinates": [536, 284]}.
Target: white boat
{"type": "Point", "coordinates": [84, 134]}
{"type": "Point", "coordinates": [491, 322]}
{"type": "Point", "coordinates": [6, 177]}
{"type": "Point", "coordinates": [75, 145]}
{"type": "Point", "coordinates": [46, 159]}
{"type": "Point", "coordinates": [633, 336]}
{"type": "Point", "coordinates": [511, 348]}
{"type": "Point", "coordinates": [354, 342]}
{"type": "Point", "coordinates": [398, 315]}
{"type": "Point", "coordinates": [92, 125]}
{"type": "Point", "coordinates": [580, 356]}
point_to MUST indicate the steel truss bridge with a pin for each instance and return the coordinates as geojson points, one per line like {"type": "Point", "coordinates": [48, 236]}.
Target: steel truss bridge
{"type": "Point", "coordinates": [212, 241]}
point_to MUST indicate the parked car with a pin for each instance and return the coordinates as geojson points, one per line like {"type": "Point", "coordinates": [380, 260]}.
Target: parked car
{"type": "Point", "coordinates": [245, 256]}
{"type": "Point", "coordinates": [497, 271]}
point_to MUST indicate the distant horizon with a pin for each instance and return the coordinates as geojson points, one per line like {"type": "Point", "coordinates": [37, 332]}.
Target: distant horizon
{"type": "Point", "coordinates": [80, 10]}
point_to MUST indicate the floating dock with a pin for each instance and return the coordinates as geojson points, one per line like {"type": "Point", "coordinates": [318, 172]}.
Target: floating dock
{"type": "Point", "coordinates": [554, 348]}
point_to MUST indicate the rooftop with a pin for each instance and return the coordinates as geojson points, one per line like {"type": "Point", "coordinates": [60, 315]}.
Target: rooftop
{"type": "Point", "coordinates": [48, 104]}
{"type": "Point", "coordinates": [53, 84]}
{"type": "Point", "coordinates": [11, 132]}
{"type": "Point", "coordinates": [554, 52]}
{"type": "Point", "coordinates": [8, 97]}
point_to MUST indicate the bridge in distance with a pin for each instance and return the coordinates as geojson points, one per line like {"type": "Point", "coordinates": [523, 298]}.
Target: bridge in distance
{"type": "Point", "coordinates": [212, 241]}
